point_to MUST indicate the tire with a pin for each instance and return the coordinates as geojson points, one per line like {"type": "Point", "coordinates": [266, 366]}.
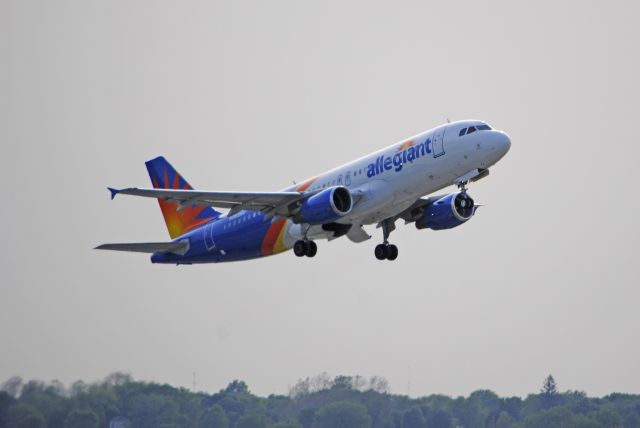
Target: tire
{"type": "Point", "coordinates": [300, 248]}
{"type": "Point", "coordinates": [312, 249]}
{"type": "Point", "coordinates": [392, 252]}
{"type": "Point", "coordinates": [380, 252]}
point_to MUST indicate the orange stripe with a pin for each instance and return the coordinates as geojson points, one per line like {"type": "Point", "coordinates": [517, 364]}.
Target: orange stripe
{"type": "Point", "coordinates": [279, 245]}
{"type": "Point", "coordinates": [304, 186]}
{"type": "Point", "coordinates": [271, 236]}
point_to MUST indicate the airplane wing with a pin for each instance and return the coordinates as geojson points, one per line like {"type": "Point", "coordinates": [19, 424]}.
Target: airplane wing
{"type": "Point", "coordinates": [275, 203]}
{"type": "Point", "coordinates": [180, 247]}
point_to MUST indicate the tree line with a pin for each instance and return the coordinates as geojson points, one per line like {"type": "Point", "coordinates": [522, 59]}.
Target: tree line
{"type": "Point", "coordinates": [319, 402]}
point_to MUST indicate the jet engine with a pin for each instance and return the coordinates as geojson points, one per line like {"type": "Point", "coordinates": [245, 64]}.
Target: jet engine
{"type": "Point", "coordinates": [447, 212]}
{"type": "Point", "coordinates": [325, 207]}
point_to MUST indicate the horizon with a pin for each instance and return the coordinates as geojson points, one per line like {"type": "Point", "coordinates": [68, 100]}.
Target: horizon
{"type": "Point", "coordinates": [117, 378]}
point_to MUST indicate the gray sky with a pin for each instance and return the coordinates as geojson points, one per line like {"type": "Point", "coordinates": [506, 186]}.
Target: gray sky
{"type": "Point", "coordinates": [248, 95]}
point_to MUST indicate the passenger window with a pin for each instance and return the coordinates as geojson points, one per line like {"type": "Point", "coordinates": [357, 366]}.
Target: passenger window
{"type": "Point", "coordinates": [471, 129]}
{"type": "Point", "coordinates": [462, 132]}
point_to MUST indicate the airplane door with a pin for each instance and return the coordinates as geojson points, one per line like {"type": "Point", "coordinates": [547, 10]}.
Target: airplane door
{"type": "Point", "coordinates": [437, 146]}
{"type": "Point", "coordinates": [208, 236]}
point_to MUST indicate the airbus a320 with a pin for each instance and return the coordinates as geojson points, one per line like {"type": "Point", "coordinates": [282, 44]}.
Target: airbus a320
{"type": "Point", "coordinates": [381, 188]}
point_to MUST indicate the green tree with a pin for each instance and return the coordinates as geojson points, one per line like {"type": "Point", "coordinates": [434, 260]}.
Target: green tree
{"type": "Point", "coordinates": [48, 399]}
{"type": "Point", "coordinates": [343, 414]}
{"type": "Point", "coordinates": [549, 392]}
{"type": "Point", "coordinates": [413, 418]}
{"type": "Point", "coordinates": [253, 420]}
{"type": "Point", "coordinates": [287, 424]}
{"type": "Point", "coordinates": [24, 416]}
{"type": "Point", "coordinates": [549, 386]}
{"type": "Point", "coordinates": [233, 407]}
{"type": "Point", "coordinates": [582, 421]}
{"type": "Point", "coordinates": [118, 379]}
{"type": "Point", "coordinates": [237, 387]}
{"type": "Point", "coordinates": [513, 406]}
{"type": "Point", "coordinates": [385, 419]}
{"type": "Point", "coordinates": [489, 403]}
{"type": "Point", "coordinates": [558, 417]}
{"type": "Point", "coordinates": [214, 417]}
{"type": "Point", "coordinates": [505, 420]}
{"type": "Point", "coordinates": [606, 418]}
{"type": "Point", "coordinates": [6, 401]}
{"type": "Point", "coordinates": [343, 382]}
{"type": "Point", "coordinates": [13, 386]}
{"type": "Point", "coordinates": [439, 418]}
{"type": "Point", "coordinates": [306, 416]}
{"type": "Point", "coordinates": [468, 412]}
{"type": "Point", "coordinates": [152, 409]}
{"type": "Point", "coordinates": [81, 419]}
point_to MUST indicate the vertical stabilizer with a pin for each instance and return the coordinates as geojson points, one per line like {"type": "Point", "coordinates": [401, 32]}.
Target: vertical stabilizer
{"type": "Point", "coordinates": [179, 222]}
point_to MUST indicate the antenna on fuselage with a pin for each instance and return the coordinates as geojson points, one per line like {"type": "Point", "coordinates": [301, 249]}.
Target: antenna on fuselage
{"type": "Point", "coordinates": [448, 121]}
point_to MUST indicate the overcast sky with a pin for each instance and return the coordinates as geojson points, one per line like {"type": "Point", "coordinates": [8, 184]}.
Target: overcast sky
{"type": "Point", "coordinates": [250, 95]}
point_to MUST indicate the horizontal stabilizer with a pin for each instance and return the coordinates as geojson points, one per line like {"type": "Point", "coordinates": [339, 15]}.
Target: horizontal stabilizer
{"type": "Point", "coordinates": [179, 248]}
{"type": "Point", "coordinates": [113, 191]}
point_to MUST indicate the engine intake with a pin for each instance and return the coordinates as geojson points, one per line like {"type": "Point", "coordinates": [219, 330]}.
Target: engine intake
{"type": "Point", "coordinates": [325, 207]}
{"type": "Point", "coordinates": [447, 212]}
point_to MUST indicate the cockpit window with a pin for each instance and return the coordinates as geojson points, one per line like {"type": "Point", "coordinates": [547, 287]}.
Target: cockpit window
{"type": "Point", "coordinates": [469, 130]}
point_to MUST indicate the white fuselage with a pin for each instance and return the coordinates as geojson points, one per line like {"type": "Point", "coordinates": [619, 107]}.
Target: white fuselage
{"type": "Point", "coordinates": [390, 180]}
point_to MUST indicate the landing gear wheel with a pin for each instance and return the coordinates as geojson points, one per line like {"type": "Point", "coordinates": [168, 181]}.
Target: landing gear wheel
{"type": "Point", "coordinates": [392, 252]}
{"type": "Point", "coordinates": [385, 250]}
{"type": "Point", "coordinates": [380, 252]}
{"type": "Point", "coordinates": [312, 249]}
{"type": "Point", "coordinates": [300, 248]}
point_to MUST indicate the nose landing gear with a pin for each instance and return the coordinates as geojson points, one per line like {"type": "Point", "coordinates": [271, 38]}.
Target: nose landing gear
{"type": "Point", "coordinates": [305, 248]}
{"type": "Point", "coordinates": [386, 251]}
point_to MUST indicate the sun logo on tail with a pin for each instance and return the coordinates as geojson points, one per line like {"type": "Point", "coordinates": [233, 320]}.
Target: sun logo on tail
{"type": "Point", "coordinates": [179, 220]}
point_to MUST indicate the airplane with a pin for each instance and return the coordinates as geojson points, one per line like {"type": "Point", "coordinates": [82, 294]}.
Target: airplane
{"type": "Point", "coordinates": [380, 188]}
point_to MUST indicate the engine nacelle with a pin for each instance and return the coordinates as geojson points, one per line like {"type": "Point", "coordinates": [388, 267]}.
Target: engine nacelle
{"type": "Point", "coordinates": [326, 206]}
{"type": "Point", "coordinates": [447, 212]}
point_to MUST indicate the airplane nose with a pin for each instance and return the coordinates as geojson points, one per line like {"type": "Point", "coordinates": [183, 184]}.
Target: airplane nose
{"type": "Point", "coordinates": [502, 143]}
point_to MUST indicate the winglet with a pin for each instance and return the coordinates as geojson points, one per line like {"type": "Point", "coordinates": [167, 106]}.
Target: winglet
{"type": "Point", "coordinates": [113, 191]}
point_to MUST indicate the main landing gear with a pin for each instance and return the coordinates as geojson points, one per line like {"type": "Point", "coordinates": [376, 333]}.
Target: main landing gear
{"type": "Point", "coordinates": [305, 248]}
{"type": "Point", "coordinates": [386, 251]}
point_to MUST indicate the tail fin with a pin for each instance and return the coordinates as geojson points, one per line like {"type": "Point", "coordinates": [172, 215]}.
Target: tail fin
{"type": "Point", "coordinates": [164, 176]}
